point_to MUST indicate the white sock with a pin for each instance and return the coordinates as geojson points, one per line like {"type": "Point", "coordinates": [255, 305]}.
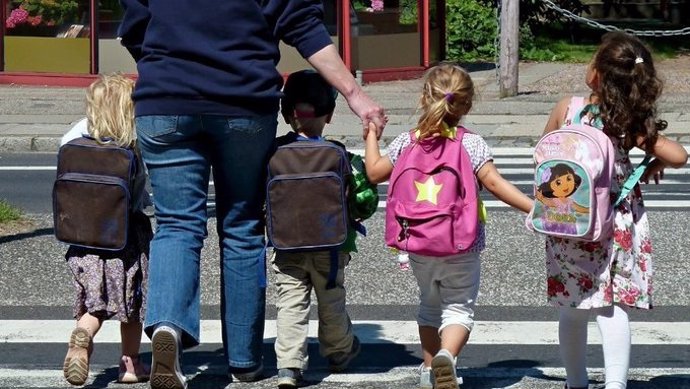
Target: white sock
{"type": "Point", "coordinates": [572, 337]}
{"type": "Point", "coordinates": [615, 334]}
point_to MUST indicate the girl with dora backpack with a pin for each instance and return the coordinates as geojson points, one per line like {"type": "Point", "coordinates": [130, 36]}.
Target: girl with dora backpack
{"type": "Point", "coordinates": [108, 283]}
{"type": "Point", "coordinates": [605, 277]}
{"type": "Point", "coordinates": [443, 157]}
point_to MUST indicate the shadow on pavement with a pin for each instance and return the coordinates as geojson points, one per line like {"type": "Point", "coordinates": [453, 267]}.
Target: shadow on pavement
{"type": "Point", "coordinates": [26, 235]}
{"type": "Point", "coordinates": [676, 381]}
{"type": "Point", "coordinates": [103, 379]}
{"type": "Point", "coordinates": [475, 378]}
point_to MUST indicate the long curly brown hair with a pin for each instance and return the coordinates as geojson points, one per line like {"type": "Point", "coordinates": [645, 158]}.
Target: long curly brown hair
{"type": "Point", "coordinates": [628, 90]}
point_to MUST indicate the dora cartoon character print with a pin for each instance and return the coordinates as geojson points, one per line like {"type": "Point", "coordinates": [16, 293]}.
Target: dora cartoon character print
{"type": "Point", "coordinates": [573, 187]}
{"type": "Point", "coordinates": [557, 202]}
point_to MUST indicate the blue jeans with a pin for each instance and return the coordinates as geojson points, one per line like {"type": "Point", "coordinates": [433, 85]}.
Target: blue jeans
{"type": "Point", "coordinates": [179, 152]}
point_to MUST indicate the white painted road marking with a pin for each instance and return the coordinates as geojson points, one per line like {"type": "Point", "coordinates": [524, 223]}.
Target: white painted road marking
{"type": "Point", "coordinates": [369, 331]}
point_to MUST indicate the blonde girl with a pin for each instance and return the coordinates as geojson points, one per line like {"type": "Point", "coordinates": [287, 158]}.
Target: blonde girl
{"type": "Point", "coordinates": [444, 328]}
{"type": "Point", "coordinates": [110, 284]}
{"type": "Point", "coordinates": [602, 280]}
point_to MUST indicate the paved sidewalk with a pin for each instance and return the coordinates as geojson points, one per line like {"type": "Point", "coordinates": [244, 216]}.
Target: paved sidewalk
{"type": "Point", "coordinates": [34, 118]}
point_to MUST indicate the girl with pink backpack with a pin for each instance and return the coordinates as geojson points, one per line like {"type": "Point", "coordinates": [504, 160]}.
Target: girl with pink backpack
{"type": "Point", "coordinates": [605, 277]}
{"type": "Point", "coordinates": [440, 164]}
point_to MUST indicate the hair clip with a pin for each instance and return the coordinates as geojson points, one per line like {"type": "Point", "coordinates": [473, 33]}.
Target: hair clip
{"type": "Point", "coordinates": [639, 60]}
{"type": "Point", "coordinates": [449, 96]}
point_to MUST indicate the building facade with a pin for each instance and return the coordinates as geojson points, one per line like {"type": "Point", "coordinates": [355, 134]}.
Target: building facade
{"type": "Point", "coordinates": [52, 42]}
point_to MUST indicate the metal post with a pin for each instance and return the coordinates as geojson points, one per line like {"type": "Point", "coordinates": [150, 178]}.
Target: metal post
{"type": "Point", "coordinates": [93, 36]}
{"type": "Point", "coordinates": [425, 29]}
{"type": "Point", "coordinates": [510, 48]}
{"type": "Point", "coordinates": [344, 33]}
{"type": "Point", "coordinates": [3, 31]}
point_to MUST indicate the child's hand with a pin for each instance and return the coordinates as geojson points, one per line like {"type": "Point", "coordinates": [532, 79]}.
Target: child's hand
{"type": "Point", "coordinates": [371, 131]}
{"type": "Point", "coordinates": [654, 170]}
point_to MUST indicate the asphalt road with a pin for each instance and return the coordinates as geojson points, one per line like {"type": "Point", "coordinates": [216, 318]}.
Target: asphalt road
{"type": "Point", "coordinates": [36, 295]}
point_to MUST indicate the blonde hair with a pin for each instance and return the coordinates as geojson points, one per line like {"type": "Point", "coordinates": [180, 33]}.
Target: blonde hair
{"type": "Point", "coordinates": [110, 109]}
{"type": "Point", "coordinates": [446, 97]}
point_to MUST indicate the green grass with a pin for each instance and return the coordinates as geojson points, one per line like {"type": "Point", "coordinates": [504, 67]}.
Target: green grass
{"type": "Point", "coordinates": [8, 212]}
{"type": "Point", "coordinates": [557, 43]}
{"type": "Point", "coordinates": [560, 50]}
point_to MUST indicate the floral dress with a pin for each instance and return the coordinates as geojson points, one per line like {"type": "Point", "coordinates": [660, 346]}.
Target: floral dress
{"type": "Point", "coordinates": [617, 269]}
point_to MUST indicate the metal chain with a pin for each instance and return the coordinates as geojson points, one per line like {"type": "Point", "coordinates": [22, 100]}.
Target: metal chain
{"type": "Point", "coordinates": [594, 24]}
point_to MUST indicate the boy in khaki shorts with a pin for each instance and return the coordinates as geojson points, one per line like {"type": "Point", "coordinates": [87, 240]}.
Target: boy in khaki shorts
{"type": "Point", "coordinates": [307, 106]}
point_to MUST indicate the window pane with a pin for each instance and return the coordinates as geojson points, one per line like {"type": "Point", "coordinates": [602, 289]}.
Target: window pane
{"type": "Point", "coordinates": [47, 36]}
{"type": "Point", "coordinates": [49, 18]}
{"type": "Point", "coordinates": [385, 26]}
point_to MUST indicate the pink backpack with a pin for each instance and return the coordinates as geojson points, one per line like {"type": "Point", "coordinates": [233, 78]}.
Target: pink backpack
{"type": "Point", "coordinates": [572, 180]}
{"type": "Point", "coordinates": [432, 207]}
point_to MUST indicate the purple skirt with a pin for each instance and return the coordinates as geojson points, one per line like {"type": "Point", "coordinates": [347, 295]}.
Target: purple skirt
{"type": "Point", "coordinates": [112, 284]}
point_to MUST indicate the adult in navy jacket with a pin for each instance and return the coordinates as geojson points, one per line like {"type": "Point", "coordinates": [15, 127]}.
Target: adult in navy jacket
{"type": "Point", "coordinates": [207, 96]}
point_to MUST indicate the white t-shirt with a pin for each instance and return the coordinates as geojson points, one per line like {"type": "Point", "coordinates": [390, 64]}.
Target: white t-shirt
{"type": "Point", "coordinates": [80, 128]}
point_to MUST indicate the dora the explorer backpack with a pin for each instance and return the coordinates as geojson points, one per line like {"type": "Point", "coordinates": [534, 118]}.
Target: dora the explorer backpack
{"type": "Point", "coordinates": [92, 193]}
{"type": "Point", "coordinates": [573, 178]}
{"type": "Point", "coordinates": [432, 206]}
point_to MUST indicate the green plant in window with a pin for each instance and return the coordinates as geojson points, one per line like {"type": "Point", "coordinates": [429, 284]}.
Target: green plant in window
{"type": "Point", "coordinates": [360, 5]}
{"type": "Point", "coordinates": [408, 12]}
{"type": "Point", "coordinates": [42, 12]}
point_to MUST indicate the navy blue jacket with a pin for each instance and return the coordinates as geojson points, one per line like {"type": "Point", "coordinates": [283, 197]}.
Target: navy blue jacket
{"type": "Point", "coordinates": [215, 56]}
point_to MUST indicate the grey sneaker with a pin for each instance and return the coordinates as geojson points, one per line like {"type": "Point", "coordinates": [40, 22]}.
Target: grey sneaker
{"type": "Point", "coordinates": [340, 361]}
{"type": "Point", "coordinates": [443, 368]}
{"type": "Point", "coordinates": [165, 360]}
{"type": "Point", "coordinates": [248, 376]}
{"type": "Point", "coordinates": [425, 377]}
{"type": "Point", "coordinates": [289, 378]}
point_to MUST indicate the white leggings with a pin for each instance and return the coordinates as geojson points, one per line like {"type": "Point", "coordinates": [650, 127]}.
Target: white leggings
{"type": "Point", "coordinates": [615, 334]}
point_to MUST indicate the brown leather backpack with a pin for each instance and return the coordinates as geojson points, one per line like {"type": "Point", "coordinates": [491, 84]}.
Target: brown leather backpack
{"type": "Point", "coordinates": [92, 194]}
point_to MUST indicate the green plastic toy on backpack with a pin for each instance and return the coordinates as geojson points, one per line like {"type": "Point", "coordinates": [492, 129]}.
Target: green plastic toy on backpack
{"type": "Point", "coordinates": [364, 196]}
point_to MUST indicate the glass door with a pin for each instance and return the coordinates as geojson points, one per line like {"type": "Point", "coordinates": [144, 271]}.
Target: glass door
{"type": "Point", "coordinates": [385, 34]}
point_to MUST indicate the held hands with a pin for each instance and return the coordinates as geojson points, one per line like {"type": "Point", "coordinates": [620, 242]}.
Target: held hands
{"type": "Point", "coordinates": [655, 170]}
{"type": "Point", "coordinates": [369, 112]}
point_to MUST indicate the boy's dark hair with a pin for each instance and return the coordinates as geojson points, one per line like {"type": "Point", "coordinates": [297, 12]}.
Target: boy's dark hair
{"type": "Point", "coordinates": [308, 87]}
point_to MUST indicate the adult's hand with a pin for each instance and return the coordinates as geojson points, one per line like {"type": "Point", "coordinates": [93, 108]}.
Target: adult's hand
{"type": "Point", "coordinates": [328, 63]}
{"type": "Point", "coordinates": [368, 111]}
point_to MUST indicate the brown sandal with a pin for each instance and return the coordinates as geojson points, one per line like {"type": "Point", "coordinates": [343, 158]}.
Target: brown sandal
{"type": "Point", "coordinates": [76, 366]}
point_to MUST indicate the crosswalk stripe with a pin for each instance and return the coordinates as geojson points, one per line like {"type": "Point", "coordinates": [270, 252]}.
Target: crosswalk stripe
{"type": "Point", "coordinates": [530, 171]}
{"type": "Point", "coordinates": [40, 378]}
{"type": "Point", "coordinates": [27, 168]}
{"type": "Point", "coordinates": [519, 151]}
{"type": "Point", "coordinates": [492, 204]}
{"type": "Point", "coordinates": [369, 331]}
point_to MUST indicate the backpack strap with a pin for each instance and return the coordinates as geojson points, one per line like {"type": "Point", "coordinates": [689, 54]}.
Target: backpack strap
{"type": "Point", "coordinates": [633, 179]}
{"type": "Point", "coordinates": [577, 103]}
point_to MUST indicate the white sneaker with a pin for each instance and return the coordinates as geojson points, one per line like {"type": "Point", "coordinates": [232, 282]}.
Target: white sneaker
{"type": "Point", "coordinates": [425, 377]}
{"type": "Point", "coordinates": [165, 360]}
{"type": "Point", "coordinates": [443, 368]}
